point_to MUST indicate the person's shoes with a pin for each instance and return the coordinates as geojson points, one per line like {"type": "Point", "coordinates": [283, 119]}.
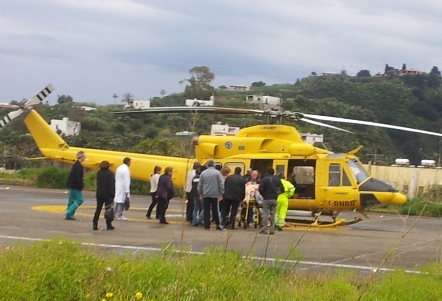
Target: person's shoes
{"type": "Point", "coordinates": [122, 218]}
{"type": "Point", "coordinates": [272, 232]}
{"type": "Point", "coordinates": [279, 228]}
{"type": "Point", "coordinates": [164, 222]}
{"type": "Point", "coordinates": [195, 225]}
{"type": "Point", "coordinates": [95, 226]}
{"type": "Point", "coordinates": [220, 229]}
{"type": "Point", "coordinates": [263, 232]}
{"type": "Point", "coordinates": [148, 216]}
{"type": "Point", "coordinates": [70, 218]}
{"type": "Point", "coordinates": [110, 227]}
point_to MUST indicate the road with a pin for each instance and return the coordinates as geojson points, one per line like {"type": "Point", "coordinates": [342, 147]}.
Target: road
{"type": "Point", "coordinates": [31, 214]}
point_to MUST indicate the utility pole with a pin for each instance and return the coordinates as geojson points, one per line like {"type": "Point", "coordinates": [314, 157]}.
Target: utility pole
{"type": "Point", "coordinates": [438, 161]}
{"type": "Point", "coordinates": [115, 96]}
{"type": "Point", "coordinates": [4, 158]}
{"type": "Point", "coordinates": [375, 155]}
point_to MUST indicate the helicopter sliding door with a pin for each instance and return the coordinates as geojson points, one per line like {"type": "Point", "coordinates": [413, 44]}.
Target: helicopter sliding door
{"type": "Point", "coordinates": [261, 166]}
{"type": "Point", "coordinates": [301, 173]}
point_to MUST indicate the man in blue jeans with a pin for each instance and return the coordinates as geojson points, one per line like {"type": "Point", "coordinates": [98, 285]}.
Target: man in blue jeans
{"type": "Point", "coordinates": [75, 184]}
{"type": "Point", "coordinates": [269, 188]}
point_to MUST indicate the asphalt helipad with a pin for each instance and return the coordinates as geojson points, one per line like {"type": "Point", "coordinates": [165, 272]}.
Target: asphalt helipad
{"type": "Point", "coordinates": [31, 214]}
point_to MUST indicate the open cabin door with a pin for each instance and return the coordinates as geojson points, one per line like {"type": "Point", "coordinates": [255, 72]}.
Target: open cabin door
{"type": "Point", "coordinates": [302, 174]}
{"type": "Point", "coordinates": [261, 166]}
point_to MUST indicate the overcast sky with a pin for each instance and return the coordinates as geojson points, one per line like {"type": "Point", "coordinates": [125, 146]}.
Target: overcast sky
{"type": "Point", "coordinates": [93, 49]}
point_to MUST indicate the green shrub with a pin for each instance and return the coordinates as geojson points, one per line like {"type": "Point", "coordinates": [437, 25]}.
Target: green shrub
{"type": "Point", "coordinates": [53, 177]}
{"type": "Point", "coordinates": [90, 180]}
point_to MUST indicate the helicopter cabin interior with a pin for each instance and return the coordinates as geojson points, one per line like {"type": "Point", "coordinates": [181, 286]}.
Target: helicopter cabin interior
{"type": "Point", "coordinates": [300, 172]}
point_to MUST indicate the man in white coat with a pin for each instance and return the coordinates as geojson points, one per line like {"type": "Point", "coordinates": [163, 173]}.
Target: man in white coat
{"type": "Point", "coordinates": [122, 188]}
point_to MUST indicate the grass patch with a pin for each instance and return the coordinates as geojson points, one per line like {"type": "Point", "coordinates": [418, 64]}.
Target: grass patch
{"type": "Point", "coordinates": [56, 177]}
{"type": "Point", "coordinates": [64, 270]}
{"type": "Point", "coordinates": [429, 204]}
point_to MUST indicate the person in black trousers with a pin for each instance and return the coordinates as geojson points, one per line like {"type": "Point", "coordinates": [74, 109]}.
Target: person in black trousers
{"type": "Point", "coordinates": [105, 193]}
{"type": "Point", "coordinates": [165, 192]}
{"type": "Point", "coordinates": [234, 193]}
{"type": "Point", "coordinates": [153, 190]}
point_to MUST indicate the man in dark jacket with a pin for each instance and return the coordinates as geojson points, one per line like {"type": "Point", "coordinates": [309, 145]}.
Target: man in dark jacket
{"type": "Point", "coordinates": [235, 191]}
{"type": "Point", "coordinates": [269, 188]}
{"type": "Point", "coordinates": [105, 193]}
{"type": "Point", "coordinates": [165, 192]}
{"type": "Point", "coordinates": [75, 184]}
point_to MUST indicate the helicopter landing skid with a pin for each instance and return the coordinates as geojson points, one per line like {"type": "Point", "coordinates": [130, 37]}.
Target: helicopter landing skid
{"type": "Point", "coordinates": [323, 224]}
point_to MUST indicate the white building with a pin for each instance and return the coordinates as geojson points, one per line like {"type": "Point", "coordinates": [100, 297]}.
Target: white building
{"type": "Point", "coordinates": [141, 104]}
{"type": "Point", "coordinates": [239, 88]}
{"type": "Point", "coordinates": [219, 129]}
{"type": "Point", "coordinates": [6, 105]}
{"type": "Point", "coordinates": [199, 102]}
{"type": "Point", "coordinates": [265, 102]}
{"type": "Point", "coordinates": [68, 128]}
{"type": "Point", "coordinates": [312, 138]}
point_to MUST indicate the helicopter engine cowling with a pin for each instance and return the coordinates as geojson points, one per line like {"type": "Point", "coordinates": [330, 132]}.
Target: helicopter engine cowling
{"type": "Point", "coordinates": [301, 149]}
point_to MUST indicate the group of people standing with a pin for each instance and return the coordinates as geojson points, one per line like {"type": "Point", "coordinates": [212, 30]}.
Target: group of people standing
{"type": "Point", "coordinates": [110, 189]}
{"type": "Point", "coordinates": [215, 196]}
{"type": "Point", "coordinates": [206, 186]}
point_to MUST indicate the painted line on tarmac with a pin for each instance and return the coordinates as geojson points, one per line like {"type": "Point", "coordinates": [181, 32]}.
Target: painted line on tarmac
{"type": "Point", "coordinates": [267, 259]}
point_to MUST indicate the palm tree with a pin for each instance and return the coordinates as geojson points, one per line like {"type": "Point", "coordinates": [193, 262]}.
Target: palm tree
{"type": "Point", "coordinates": [128, 99]}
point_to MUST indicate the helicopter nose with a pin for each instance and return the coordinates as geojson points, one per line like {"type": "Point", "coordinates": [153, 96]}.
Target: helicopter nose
{"type": "Point", "coordinates": [379, 198]}
{"type": "Point", "coordinates": [376, 193]}
{"type": "Point", "coordinates": [398, 199]}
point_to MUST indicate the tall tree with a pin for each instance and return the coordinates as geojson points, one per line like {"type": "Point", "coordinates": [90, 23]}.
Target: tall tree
{"type": "Point", "coordinates": [258, 84]}
{"type": "Point", "coordinates": [435, 71]}
{"type": "Point", "coordinates": [128, 99]}
{"type": "Point", "coordinates": [64, 99]}
{"type": "Point", "coordinates": [434, 78]}
{"type": "Point", "coordinates": [363, 73]}
{"type": "Point", "coordinates": [199, 83]}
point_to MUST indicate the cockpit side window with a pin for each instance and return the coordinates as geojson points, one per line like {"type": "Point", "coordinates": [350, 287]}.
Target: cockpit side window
{"type": "Point", "coordinates": [358, 171]}
{"type": "Point", "coordinates": [334, 175]}
{"type": "Point", "coordinates": [345, 179]}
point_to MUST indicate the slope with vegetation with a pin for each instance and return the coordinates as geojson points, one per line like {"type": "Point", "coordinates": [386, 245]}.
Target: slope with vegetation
{"type": "Point", "coordinates": [409, 100]}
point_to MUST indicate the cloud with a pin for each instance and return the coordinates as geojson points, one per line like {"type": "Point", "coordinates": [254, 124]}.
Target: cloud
{"type": "Point", "coordinates": [92, 49]}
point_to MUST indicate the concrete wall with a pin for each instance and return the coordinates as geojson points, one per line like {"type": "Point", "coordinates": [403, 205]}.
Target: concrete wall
{"type": "Point", "coordinates": [411, 181]}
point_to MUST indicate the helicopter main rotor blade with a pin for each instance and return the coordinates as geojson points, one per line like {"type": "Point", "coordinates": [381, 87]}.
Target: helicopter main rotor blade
{"type": "Point", "coordinates": [218, 110]}
{"type": "Point", "coordinates": [37, 99]}
{"type": "Point", "coordinates": [325, 125]}
{"type": "Point", "coordinates": [353, 121]}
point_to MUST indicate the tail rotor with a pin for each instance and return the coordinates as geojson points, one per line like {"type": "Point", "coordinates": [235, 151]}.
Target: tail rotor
{"type": "Point", "coordinates": [37, 99]}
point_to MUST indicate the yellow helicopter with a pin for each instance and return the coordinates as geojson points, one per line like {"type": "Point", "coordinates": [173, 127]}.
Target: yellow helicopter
{"type": "Point", "coordinates": [326, 183]}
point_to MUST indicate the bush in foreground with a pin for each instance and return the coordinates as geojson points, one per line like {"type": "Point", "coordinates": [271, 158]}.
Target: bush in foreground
{"type": "Point", "coordinates": [64, 270]}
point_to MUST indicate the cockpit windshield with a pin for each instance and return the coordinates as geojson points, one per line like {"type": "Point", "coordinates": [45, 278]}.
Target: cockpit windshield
{"type": "Point", "coordinates": [358, 171]}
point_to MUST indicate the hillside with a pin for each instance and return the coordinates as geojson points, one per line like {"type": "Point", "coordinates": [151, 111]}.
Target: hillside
{"type": "Point", "coordinates": [410, 100]}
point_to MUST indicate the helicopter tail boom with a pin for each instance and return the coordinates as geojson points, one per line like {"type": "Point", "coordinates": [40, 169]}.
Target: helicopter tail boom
{"type": "Point", "coordinates": [45, 137]}
{"type": "Point", "coordinates": [54, 147]}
